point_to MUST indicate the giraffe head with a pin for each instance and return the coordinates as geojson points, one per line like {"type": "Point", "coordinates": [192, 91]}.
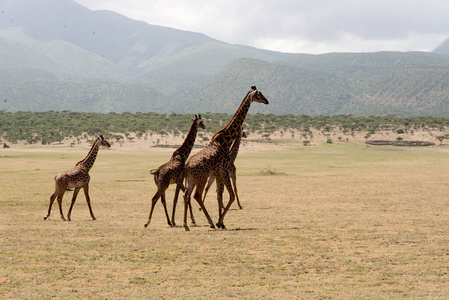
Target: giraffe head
{"type": "Point", "coordinates": [103, 142]}
{"type": "Point", "coordinates": [199, 121]}
{"type": "Point", "coordinates": [256, 96]}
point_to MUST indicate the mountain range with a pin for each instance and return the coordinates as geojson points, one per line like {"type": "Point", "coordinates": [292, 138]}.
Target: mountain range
{"type": "Point", "coordinates": [59, 55]}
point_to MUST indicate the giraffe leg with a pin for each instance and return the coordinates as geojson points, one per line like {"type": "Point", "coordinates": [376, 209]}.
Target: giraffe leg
{"type": "Point", "coordinates": [186, 203]}
{"type": "Point", "coordinates": [165, 208]}
{"type": "Point", "coordinates": [52, 199]}
{"type": "Point", "coordinates": [234, 183]}
{"type": "Point", "coordinates": [175, 202]}
{"type": "Point", "coordinates": [60, 205]}
{"type": "Point", "coordinates": [75, 194]}
{"type": "Point", "coordinates": [191, 214]}
{"type": "Point", "coordinates": [209, 184]}
{"type": "Point", "coordinates": [198, 198]}
{"type": "Point", "coordinates": [86, 193]}
{"type": "Point", "coordinates": [220, 189]}
{"type": "Point", "coordinates": [227, 182]}
{"type": "Point", "coordinates": [190, 208]}
{"type": "Point", "coordinates": [153, 203]}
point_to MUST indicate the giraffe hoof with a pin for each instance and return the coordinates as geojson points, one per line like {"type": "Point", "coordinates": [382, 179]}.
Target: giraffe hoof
{"type": "Point", "coordinates": [221, 225]}
{"type": "Point", "coordinates": [146, 225]}
{"type": "Point", "coordinates": [45, 218]}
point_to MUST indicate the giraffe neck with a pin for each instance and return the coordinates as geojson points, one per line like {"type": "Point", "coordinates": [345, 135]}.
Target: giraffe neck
{"type": "Point", "coordinates": [89, 160]}
{"type": "Point", "coordinates": [235, 148]}
{"type": "Point", "coordinates": [231, 131]}
{"type": "Point", "coordinates": [189, 141]}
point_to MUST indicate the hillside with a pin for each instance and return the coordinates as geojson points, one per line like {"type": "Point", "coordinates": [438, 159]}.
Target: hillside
{"type": "Point", "coordinates": [120, 40]}
{"type": "Point", "coordinates": [406, 84]}
{"type": "Point", "coordinates": [442, 48]}
{"type": "Point", "coordinates": [59, 55]}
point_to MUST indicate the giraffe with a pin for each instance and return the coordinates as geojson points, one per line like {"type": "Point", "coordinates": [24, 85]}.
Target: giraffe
{"type": "Point", "coordinates": [232, 169]}
{"type": "Point", "coordinates": [173, 172]}
{"type": "Point", "coordinates": [214, 160]}
{"type": "Point", "coordinates": [77, 178]}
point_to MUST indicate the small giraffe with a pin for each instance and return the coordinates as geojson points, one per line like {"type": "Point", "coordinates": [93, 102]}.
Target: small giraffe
{"type": "Point", "coordinates": [232, 169]}
{"type": "Point", "coordinates": [77, 178]}
{"type": "Point", "coordinates": [214, 160]}
{"type": "Point", "coordinates": [173, 172]}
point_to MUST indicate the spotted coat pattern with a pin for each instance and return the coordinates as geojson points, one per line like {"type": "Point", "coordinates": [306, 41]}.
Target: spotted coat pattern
{"type": "Point", "coordinates": [232, 169]}
{"type": "Point", "coordinates": [77, 178]}
{"type": "Point", "coordinates": [214, 160]}
{"type": "Point", "coordinates": [173, 172]}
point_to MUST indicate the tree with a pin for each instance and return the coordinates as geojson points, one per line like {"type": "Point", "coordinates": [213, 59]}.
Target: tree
{"type": "Point", "coordinates": [118, 137]}
{"type": "Point", "coordinates": [442, 137]}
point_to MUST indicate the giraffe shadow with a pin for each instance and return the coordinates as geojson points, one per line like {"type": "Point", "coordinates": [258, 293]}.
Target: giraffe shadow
{"type": "Point", "coordinates": [217, 229]}
{"type": "Point", "coordinates": [243, 229]}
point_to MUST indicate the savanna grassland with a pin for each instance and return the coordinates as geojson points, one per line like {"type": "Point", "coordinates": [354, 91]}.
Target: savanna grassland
{"type": "Point", "coordinates": [332, 221]}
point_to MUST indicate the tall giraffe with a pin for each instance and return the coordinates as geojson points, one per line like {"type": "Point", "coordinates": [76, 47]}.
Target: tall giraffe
{"type": "Point", "coordinates": [214, 160]}
{"type": "Point", "coordinates": [173, 172]}
{"type": "Point", "coordinates": [232, 169]}
{"type": "Point", "coordinates": [77, 178]}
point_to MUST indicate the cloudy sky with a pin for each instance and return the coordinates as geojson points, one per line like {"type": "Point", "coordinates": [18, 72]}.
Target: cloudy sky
{"type": "Point", "coordinates": [300, 26]}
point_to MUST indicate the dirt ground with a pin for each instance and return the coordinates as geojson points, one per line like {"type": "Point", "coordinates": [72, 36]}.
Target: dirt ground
{"type": "Point", "coordinates": [326, 221]}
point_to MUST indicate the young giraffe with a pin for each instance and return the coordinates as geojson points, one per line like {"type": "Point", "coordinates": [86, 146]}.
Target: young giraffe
{"type": "Point", "coordinates": [77, 178]}
{"type": "Point", "coordinates": [173, 172]}
{"type": "Point", "coordinates": [232, 169]}
{"type": "Point", "coordinates": [214, 160]}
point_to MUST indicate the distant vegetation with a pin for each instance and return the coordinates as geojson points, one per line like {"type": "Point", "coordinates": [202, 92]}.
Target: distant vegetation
{"type": "Point", "coordinates": [53, 126]}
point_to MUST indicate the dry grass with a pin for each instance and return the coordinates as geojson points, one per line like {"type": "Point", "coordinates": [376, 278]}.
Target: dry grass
{"type": "Point", "coordinates": [334, 222]}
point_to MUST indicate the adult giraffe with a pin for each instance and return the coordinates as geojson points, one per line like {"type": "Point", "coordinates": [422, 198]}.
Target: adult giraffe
{"type": "Point", "coordinates": [173, 172]}
{"type": "Point", "coordinates": [77, 178]}
{"type": "Point", "coordinates": [233, 152]}
{"type": "Point", "coordinates": [214, 160]}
